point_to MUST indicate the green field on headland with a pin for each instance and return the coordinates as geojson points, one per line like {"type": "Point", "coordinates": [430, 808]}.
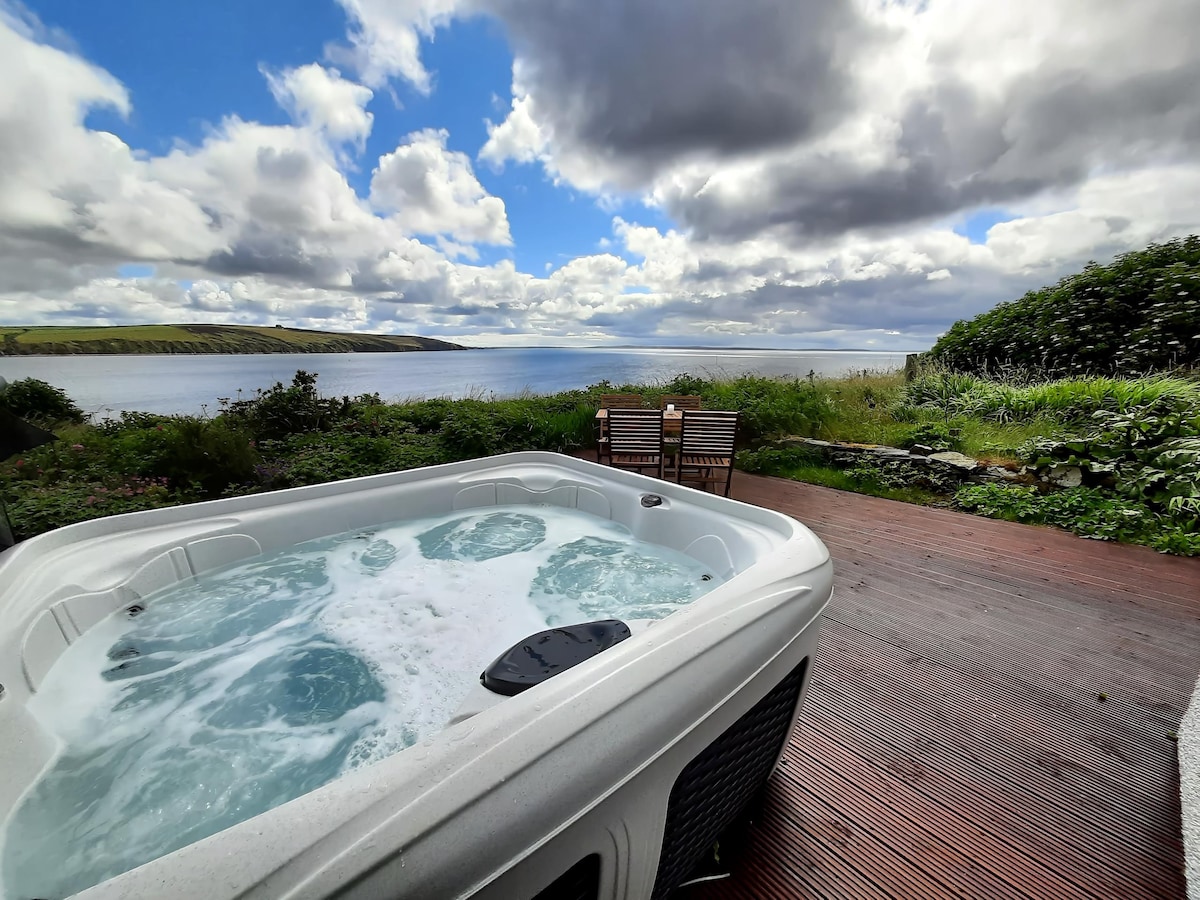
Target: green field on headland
{"type": "Point", "coordinates": [168, 339]}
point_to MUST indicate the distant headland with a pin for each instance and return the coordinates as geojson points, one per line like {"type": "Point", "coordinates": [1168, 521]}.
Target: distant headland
{"type": "Point", "coordinates": [71, 340]}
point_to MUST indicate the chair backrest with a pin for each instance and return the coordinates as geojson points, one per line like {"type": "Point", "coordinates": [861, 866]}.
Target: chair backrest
{"type": "Point", "coordinates": [635, 430]}
{"type": "Point", "coordinates": [708, 432]}
{"type": "Point", "coordinates": [620, 401]}
{"type": "Point", "coordinates": [681, 401]}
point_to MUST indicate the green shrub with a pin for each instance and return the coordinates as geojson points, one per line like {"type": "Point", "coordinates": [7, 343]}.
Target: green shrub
{"type": "Point", "coordinates": [771, 407]}
{"type": "Point", "coordinates": [1137, 314]}
{"type": "Point", "coordinates": [1149, 454]}
{"type": "Point", "coordinates": [938, 435]}
{"type": "Point", "coordinates": [1090, 512]}
{"type": "Point", "coordinates": [39, 402]}
{"type": "Point", "coordinates": [280, 411]}
{"type": "Point", "coordinates": [330, 456]}
{"type": "Point", "coordinates": [777, 460]}
{"type": "Point", "coordinates": [35, 506]}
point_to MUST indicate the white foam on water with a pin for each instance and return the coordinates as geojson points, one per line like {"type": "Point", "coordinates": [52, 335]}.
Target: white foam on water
{"type": "Point", "coordinates": [255, 684]}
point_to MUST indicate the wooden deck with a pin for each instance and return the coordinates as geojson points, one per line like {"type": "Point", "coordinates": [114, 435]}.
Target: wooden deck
{"type": "Point", "coordinates": [956, 740]}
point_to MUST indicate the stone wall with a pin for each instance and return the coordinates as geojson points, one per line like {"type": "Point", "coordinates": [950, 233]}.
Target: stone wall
{"type": "Point", "coordinates": [921, 462]}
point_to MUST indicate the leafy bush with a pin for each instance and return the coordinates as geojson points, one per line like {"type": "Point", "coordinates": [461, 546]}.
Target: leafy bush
{"type": "Point", "coordinates": [1090, 512]}
{"type": "Point", "coordinates": [280, 411]}
{"type": "Point", "coordinates": [39, 402]}
{"type": "Point", "coordinates": [1140, 313]}
{"type": "Point", "coordinates": [204, 457]}
{"type": "Point", "coordinates": [330, 456]}
{"type": "Point", "coordinates": [777, 460]}
{"type": "Point", "coordinates": [938, 435]}
{"type": "Point", "coordinates": [770, 407]}
{"type": "Point", "coordinates": [1149, 454]}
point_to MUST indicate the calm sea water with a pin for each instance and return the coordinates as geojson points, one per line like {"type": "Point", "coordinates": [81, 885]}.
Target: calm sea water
{"type": "Point", "coordinates": [106, 385]}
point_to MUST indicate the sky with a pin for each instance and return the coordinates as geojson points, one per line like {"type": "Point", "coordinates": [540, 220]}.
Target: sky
{"type": "Point", "coordinates": [768, 173]}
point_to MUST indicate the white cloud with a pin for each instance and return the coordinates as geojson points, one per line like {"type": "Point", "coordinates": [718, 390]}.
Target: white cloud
{"type": "Point", "coordinates": [385, 38]}
{"type": "Point", "coordinates": [518, 138]}
{"type": "Point", "coordinates": [431, 190]}
{"type": "Point", "coordinates": [320, 98]}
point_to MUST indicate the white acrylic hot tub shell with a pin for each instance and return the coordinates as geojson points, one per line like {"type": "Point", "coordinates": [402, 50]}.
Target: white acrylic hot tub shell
{"type": "Point", "coordinates": [498, 805]}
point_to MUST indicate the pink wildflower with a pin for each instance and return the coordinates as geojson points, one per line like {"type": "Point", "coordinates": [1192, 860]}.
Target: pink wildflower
{"type": "Point", "coordinates": [77, 446]}
{"type": "Point", "coordinates": [91, 500]}
{"type": "Point", "coordinates": [20, 462]}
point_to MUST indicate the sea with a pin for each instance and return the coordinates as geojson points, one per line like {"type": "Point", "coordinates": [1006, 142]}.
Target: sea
{"type": "Point", "coordinates": [105, 386]}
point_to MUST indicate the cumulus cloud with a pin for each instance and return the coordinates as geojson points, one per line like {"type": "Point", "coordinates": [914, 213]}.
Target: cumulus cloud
{"type": "Point", "coordinates": [320, 98]}
{"type": "Point", "coordinates": [518, 138]}
{"type": "Point", "coordinates": [249, 201]}
{"type": "Point", "coordinates": [384, 39]}
{"type": "Point", "coordinates": [431, 190]}
{"type": "Point", "coordinates": [59, 180]}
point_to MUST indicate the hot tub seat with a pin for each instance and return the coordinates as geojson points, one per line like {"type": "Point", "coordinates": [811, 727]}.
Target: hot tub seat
{"type": "Point", "coordinates": [543, 655]}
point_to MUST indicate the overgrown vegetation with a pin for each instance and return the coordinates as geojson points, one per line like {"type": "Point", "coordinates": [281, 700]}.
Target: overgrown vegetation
{"type": "Point", "coordinates": [286, 436]}
{"type": "Point", "coordinates": [1136, 441]}
{"type": "Point", "coordinates": [1138, 314]}
{"type": "Point", "coordinates": [803, 464]}
{"type": "Point", "coordinates": [1090, 512]}
{"type": "Point", "coordinates": [39, 403]}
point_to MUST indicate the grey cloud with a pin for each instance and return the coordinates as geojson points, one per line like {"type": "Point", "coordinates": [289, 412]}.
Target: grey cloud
{"type": "Point", "coordinates": [648, 83]}
{"type": "Point", "coordinates": [261, 252]}
{"type": "Point", "coordinates": [434, 293]}
{"type": "Point", "coordinates": [950, 158]}
{"type": "Point", "coordinates": [635, 89]}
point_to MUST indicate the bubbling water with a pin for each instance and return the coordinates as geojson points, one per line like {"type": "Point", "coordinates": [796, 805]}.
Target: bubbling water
{"type": "Point", "coordinates": [234, 692]}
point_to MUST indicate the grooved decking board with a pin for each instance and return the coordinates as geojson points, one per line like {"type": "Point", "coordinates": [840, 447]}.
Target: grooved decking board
{"type": "Point", "coordinates": [953, 742]}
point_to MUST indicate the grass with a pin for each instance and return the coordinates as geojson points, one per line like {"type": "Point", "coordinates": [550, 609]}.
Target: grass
{"type": "Point", "coordinates": [844, 480]}
{"type": "Point", "coordinates": [1064, 399]}
{"type": "Point", "coordinates": [59, 334]}
{"type": "Point", "coordinates": [200, 339]}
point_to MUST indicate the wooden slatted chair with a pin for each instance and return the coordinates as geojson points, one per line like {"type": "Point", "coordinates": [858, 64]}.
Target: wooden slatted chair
{"type": "Point", "coordinates": [612, 401]}
{"type": "Point", "coordinates": [635, 439]}
{"type": "Point", "coordinates": [706, 443]}
{"type": "Point", "coordinates": [681, 401]}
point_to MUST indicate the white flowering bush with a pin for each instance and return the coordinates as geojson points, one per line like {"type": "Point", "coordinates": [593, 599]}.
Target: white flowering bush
{"type": "Point", "coordinates": [1138, 314]}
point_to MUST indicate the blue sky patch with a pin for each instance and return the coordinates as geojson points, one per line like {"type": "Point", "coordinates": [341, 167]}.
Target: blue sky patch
{"type": "Point", "coordinates": [976, 226]}
{"type": "Point", "coordinates": [135, 270]}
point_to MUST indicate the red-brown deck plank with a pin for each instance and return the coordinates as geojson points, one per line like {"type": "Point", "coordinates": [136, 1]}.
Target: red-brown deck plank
{"type": "Point", "coordinates": [953, 742]}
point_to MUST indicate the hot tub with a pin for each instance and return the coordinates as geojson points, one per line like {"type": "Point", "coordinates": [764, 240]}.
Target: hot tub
{"type": "Point", "coordinates": [610, 779]}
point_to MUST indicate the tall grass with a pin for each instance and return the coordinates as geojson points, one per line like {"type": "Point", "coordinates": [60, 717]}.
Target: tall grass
{"type": "Point", "coordinates": [1063, 400]}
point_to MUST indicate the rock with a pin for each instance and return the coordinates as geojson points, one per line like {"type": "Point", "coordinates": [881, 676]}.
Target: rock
{"type": "Point", "coordinates": [997, 473]}
{"type": "Point", "coordinates": [1064, 476]}
{"type": "Point", "coordinates": [921, 449]}
{"type": "Point", "coordinates": [889, 453]}
{"type": "Point", "coordinates": [957, 460]}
